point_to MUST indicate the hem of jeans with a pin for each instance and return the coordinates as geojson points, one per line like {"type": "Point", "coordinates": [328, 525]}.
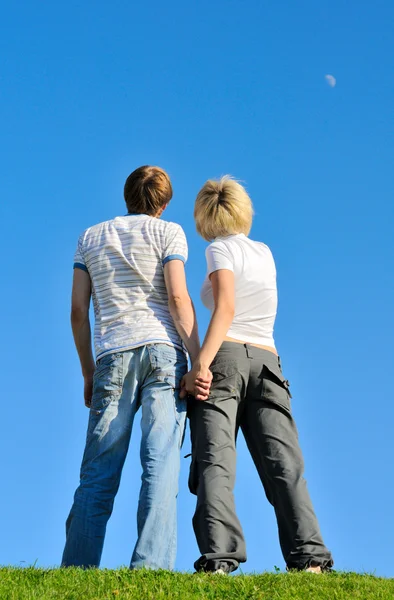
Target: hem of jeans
{"type": "Point", "coordinates": [137, 563]}
{"type": "Point", "coordinates": [148, 567]}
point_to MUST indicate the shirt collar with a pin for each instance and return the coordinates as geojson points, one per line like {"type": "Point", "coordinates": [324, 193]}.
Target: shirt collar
{"type": "Point", "coordinates": [227, 237]}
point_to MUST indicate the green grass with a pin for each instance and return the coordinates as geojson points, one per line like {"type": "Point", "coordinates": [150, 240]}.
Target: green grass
{"type": "Point", "coordinates": [75, 584]}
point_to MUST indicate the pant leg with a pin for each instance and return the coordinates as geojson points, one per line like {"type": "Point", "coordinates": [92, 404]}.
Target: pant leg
{"type": "Point", "coordinates": [114, 404]}
{"type": "Point", "coordinates": [163, 425]}
{"type": "Point", "coordinates": [272, 439]}
{"type": "Point", "coordinates": [213, 425]}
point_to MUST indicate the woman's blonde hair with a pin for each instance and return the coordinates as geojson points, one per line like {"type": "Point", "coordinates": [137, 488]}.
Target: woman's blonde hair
{"type": "Point", "coordinates": [222, 208]}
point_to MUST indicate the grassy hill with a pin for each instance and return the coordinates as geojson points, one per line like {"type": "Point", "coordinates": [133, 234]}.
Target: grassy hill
{"type": "Point", "coordinates": [75, 584]}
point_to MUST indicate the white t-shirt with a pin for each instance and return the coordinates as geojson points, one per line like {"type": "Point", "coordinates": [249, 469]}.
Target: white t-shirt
{"type": "Point", "coordinates": [124, 258]}
{"type": "Point", "coordinates": [255, 286]}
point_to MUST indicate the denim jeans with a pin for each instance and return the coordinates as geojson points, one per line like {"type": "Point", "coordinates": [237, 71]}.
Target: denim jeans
{"type": "Point", "coordinates": [148, 376]}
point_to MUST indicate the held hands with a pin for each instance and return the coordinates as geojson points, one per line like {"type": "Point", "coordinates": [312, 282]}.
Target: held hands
{"type": "Point", "coordinates": [197, 383]}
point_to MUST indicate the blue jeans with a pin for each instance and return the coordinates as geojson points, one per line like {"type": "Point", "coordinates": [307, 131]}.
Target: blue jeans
{"type": "Point", "coordinates": [148, 376]}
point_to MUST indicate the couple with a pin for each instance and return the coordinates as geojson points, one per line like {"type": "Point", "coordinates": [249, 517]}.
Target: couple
{"type": "Point", "coordinates": [133, 267]}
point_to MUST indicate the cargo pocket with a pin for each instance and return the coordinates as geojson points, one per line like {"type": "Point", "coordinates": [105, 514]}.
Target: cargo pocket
{"type": "Point", "coordinates": [193, 476]}
{"type": "Point", "coordinates": [107, 382]}
{"type": "Point", "coordinates": [275, 387]}
{"type": "Point", "coordinates": [225, 380]}
{"type": "Point", "coordinates": [193, 469]}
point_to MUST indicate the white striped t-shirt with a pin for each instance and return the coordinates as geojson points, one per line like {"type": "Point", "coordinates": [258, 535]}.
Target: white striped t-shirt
{"type": "Point", "coordinates": [124, 258]}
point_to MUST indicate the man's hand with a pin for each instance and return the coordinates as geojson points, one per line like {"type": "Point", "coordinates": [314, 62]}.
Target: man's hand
{"type": "Point", "coordinates": [197, 383]}
{"type": "Point", "coordinates": [88, 390]}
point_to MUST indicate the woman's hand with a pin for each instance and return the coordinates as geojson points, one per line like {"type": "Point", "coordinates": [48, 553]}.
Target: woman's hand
{"type": "Point", "coordinates": [197, 383]}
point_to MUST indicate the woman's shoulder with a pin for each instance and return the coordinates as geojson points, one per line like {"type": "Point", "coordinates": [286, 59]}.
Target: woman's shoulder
{"type": "Point", "coordinates": [259, 251]}
{"type": "Point", "coordinates": [238, 244]}
{"type": "Point", "coordinates": [224, 246]}
{"type": "Point", "coordinates": [260, 245]}
{"type": "Point", "coordinates": [217, 247]}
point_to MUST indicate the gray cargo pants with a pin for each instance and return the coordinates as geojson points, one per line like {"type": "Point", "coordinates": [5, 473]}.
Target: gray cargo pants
{"type": "Point", "coordinates": [249, 391]}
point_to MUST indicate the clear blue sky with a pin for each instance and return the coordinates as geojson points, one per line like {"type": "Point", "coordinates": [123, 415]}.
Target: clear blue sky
{"type": "Point", "coordinates": [91, 90]}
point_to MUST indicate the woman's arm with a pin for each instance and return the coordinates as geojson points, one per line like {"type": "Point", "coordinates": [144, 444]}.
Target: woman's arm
{"type": "Point", "coordinates": [222, 282]}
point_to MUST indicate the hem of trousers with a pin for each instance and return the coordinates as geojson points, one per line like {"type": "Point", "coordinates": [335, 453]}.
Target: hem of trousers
{"type": "Point", "coordinates": [204, 564]}
{"type": "Point", "coordinates": [302, 564]}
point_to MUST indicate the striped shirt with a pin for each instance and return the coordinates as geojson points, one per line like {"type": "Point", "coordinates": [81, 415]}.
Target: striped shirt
{"type": "Point", "coordinates": [124, 258]}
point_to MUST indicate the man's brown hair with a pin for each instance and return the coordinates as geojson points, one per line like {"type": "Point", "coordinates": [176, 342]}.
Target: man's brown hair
{"type": "Point", "coordinates": [147, 190]}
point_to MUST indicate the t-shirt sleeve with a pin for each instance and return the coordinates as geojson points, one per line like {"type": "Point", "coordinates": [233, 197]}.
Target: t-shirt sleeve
{"type": "Point", "coordinates": [218, 257]}
{"type": "Point", "coordinates": [79, 260]}
{"type": "Point", "coordinates": [175, 244]}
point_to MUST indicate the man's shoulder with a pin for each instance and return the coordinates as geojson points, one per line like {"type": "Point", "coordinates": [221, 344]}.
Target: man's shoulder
{"type": "Point", "coordinates": [166, 230]}
{"type": "Point", "coordinates": [159, 226]}
{"type": "Point", "coordinates": [167, 225]}
{"type": "Point", "coordinates": [97, 228]}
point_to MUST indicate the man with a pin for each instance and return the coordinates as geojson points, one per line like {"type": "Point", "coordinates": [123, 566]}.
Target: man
{"type": "Point", "coordinates": [133, 266]}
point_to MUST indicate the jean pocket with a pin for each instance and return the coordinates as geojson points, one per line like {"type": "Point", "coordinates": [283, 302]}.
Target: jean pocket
{"type": "Point", "coordinates": [107, 381]}
{"type": "Point", "coordinates": [275, 387]}
{"type": "Point", "coordinates": [168, 364]}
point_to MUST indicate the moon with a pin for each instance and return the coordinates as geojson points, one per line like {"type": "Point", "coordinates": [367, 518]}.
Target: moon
{"type": "Point", "coordinates": [331, 80]}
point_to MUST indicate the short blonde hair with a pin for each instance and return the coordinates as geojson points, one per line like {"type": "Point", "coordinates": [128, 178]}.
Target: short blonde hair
{"type": "Point", "coordinates": [222, 208]}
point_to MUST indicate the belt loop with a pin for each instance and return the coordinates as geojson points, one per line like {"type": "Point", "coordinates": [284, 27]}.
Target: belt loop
{"type": "Point", "coordinates": [248, 351]}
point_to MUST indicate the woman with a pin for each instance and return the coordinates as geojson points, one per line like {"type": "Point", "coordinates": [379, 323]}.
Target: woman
{"type": "Point", "coordinates": [248, 390]}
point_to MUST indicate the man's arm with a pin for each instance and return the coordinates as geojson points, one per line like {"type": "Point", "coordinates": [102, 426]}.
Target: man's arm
{"type": "Point", "coordinates": [184, 316]}
{"type": "Point", "coordinates": [181, 306]}
{"type": "Point", "coordinates": [80, 301]}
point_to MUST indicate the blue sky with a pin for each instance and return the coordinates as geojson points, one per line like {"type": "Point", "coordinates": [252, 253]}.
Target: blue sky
{"type": "Point", "coordinates": [88, 92]}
